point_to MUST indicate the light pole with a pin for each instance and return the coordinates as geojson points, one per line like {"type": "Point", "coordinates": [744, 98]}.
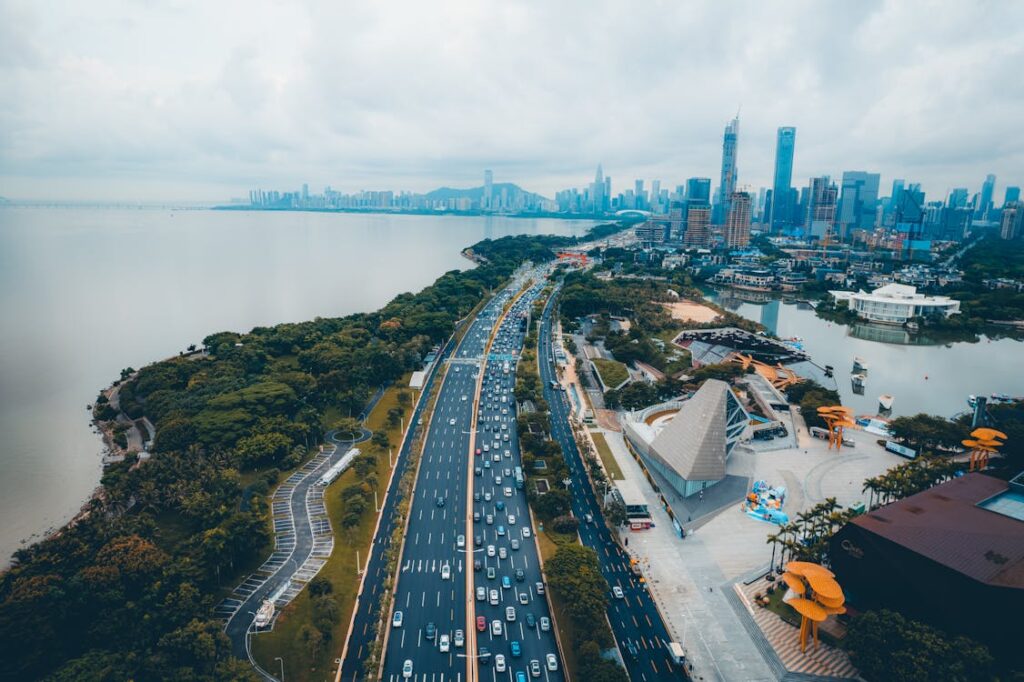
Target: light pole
{"type": "Point", "coordinates": [281, 661]}
{"type": "Point", "coordinates": [391, 462]}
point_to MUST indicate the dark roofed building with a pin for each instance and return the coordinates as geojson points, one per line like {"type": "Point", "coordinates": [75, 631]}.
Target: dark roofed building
{"type": "Point", "coordinates": [952, 556]}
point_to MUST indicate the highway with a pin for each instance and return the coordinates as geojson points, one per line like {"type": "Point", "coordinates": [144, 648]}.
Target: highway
{"type": "Point", "coordinates": [442, 542]}
{"type": "Point", "coordinates": [635, 620]}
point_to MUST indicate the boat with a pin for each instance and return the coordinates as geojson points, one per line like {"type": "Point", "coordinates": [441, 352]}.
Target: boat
{"type": "Point", "coordinates": [860, 364]}
{"type": "Point", "coordinates": [265, 614]}
{"type": "Point", "coordinates": [912, 326]}
{"type": "Point", "coordinates": [858, 383]}
{"type": "Point", "coordinates": [885, 401]}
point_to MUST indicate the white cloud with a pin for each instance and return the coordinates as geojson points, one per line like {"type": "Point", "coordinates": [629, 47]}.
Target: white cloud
{"type": "Point", "coordinates": [175, 100]}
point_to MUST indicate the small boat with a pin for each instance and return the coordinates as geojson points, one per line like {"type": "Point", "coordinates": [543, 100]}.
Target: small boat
{"type": "Point", "coordinates": [265, 614]}
{"type": "Point", "coordinates": [858, 383]}
{"type": "Point", "coordinates": [885, 401]}
{"type": "Point", "coordinates": [860, 364]}
{"type": "Point", "coordinates": [912, 326]}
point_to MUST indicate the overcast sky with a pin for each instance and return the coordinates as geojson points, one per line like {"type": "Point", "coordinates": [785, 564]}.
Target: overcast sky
{"type": "Point", "coordinates": [167, 100]}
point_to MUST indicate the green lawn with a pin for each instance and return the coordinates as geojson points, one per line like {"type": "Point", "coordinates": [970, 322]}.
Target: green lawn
{"type": "Point", "coordinates": [300, 663]}
{"type": "Point", "coordinates": [610, 465]}
{"type": "Point", "coordinates": [612, 372]}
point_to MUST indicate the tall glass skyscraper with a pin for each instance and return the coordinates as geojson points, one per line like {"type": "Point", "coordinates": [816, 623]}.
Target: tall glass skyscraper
{"type": "Point", "coordinates": [698, 190]}
{"type": "Point", "coordinates": [985, 202]}
{"type": "Point", "coordinates": [785, 146]}
{"type": "Point", "coordinates": [727, 183]}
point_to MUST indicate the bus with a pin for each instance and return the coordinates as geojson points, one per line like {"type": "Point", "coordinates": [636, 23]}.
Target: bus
{"type": "Point", "coordinates": [519, 478]}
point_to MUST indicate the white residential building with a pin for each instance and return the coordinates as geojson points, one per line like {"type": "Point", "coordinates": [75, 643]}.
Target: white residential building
{"type": "Point", "coordinates": [896, 304]}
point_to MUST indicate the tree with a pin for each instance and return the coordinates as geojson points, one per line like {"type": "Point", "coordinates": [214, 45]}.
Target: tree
{"type": "Point", "coordinates": [555, 502]}
{"type": "Point", "coordinates": [311, 639]}
{"type": "Point", "coordinates": [325, 614]}
{"type": "Point", "coordinates": [319, 586]}
{"type": "Point", "coordinates": [615, 512]}
{"type": "Point", "coordinates": [565, 524]}
{"type": "Point", "coordinates": [347, 427]}
{"type": "Point", "coordinates": [380, 439]}
{"type": "Point", "coordinates": [884, 645]}
{"type": "Point", "coordinates": [924, 431]}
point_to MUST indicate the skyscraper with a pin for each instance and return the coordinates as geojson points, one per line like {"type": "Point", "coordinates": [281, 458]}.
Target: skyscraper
{"type": "Point", "coordinates": [1012, 194]}
{"type": "Point", "coordinates": [781, 212]}
{"type": "Point", "coordinates": [638, 194]}
{"type": "Point", "coordinates": [737, 225]}
{"type": "Point", "coordinates": [727, 182]}
{"type": "Point", "coordinates": [985, 201]}
{"type": "Point", "coordinates": [958, 197]}
{"type": "Point", "coordinates": [597, 191]}
{"type": "Point", "coordinates": [821, 207]}
{"type": "Point", "coordinates": [488, 189]}
{"type": "Point", "coordinates": [699, 190]}
{"type": "Point", "coordinates": [698, 218]}
{"type": "Point", "coordinates": [858, 200]}
{"type": "Point", "coordinates": [1011, 225]}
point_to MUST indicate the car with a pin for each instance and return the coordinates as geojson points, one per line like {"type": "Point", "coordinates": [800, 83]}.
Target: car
{"type": "Point", "coordinates": [452, 421]}
{"type": "Point", "coordinates": [499, 663]}
{"type": "Point", "coordinates": [440, 501]}
{"type": "Point", "coordinates": [589, 517]}
{"type": "Point", "coordinates": [530, 620]}
{"type": "Point", "coordinates": [514, 543]}
{"type": "Point", "coordinates": [396, 620]}
{"type": "Point", "coordinates": [487, 495]}
{"type": "Point", "coordinates": [497, 480]}
{"type": "Point", "coordinates": [552, 662]}
{"type": "Point", "coordinates": [520, 676]}
{"type": "Point", "coordinates": [481, 593]}
{"type": "Point", "coordinates": [510, 613]}
{"type": "Point", "coordinates": [502, 553]}
{"type": "Point", "coordinates": [430, 631]}
{"type": "Point", "coordinates": [545, 623]}
{"type": "Point", "coordinates": [460, 541]}
{"type": "Point", "coordinates": [481, 623]}
{"type": "Point", "coordinates": [459, 639]}
{"type": "Point", "coordinates": [446, 572]}
{"type": "Point", "coordinates": [493, 597]}
{"type": "Point", "coordinates": [511, 519]}
{"type": "Point", "coordinates": [407, 669]}
{"type": "Point", "coordinates": [540, 587]}
{"type": "Point", "coordinates": [524, 598]}
{"type": "Point", "coordinates": [535, 668]}
{"type": "Point", "coordinates": [463, 397]}
{"type": "Point", "coordinates": [476, 472]}
{"type": "Point", "coordinates": [501, 531]}
{"type": "Point", "coordinates": [617, 592]}
{"type": "Point", "coordinates": [520, 575]}
{"type": "Point", "coordinates": [506, 583]}
{"type": "Point", "coordinates": [526, 531]}
{"type": "Point", "coordinates": [477, 565]}
{"type": "Point", "coordinates": [476, 517]}
{"type": "Point", "coordinates": [508, 472]}
{"type": "Point", "coordinates": [499, 505]}
{"type": "Point", "coordinates": [477, 540]}
{"type": "Point", "coordinates": [476, 495]}
{"type": "Point", "coordinates": [487, 464]}
{"type": "Point", "coordinates": [444, 644]}
{"type": "Point", "coordinates": [508, 453]}
{"type": "Point", "coordinates": [508, 491]}
{"type": "Point", "coordinates": [477, 450]}
{"type": "Point", "coordinates": [490, 519]}
{"type": "Point", "coordinates": [496, 628]}
{"type": "Point", "coordinates": [490, 550]}
{"type": "Point", "coordinates": [490, 573]}
{"type": "Point", "coordinates": [487, 448]}
{"type": "Point", "coordinates": [515, 649]}
{"type": "Point", "coordinates": [496, 457]}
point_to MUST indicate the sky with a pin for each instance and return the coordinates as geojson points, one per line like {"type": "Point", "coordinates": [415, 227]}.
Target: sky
{"type": "Point", "coordinates": [169, 100]}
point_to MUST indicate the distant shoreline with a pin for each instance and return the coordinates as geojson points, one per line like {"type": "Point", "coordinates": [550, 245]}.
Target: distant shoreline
{"type": "Point", "coordinates": [381, 211]}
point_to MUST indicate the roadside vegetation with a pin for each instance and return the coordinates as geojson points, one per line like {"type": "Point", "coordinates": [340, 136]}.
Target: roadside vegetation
{"type": "Point", "coordinates": [127, 591]}
{"type": "Point", "coordinates": [612, 372]}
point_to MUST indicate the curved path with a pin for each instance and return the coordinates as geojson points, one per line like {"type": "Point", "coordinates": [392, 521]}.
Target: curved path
{"type": "Point", "coordinates": [301, 544]}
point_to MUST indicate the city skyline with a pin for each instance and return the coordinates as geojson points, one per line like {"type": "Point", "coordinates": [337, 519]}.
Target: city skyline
{"type": "Point", "coordinates": [364, 101]}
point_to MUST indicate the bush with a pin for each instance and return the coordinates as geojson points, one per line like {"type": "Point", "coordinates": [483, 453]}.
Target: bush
{"type": "Point", "coordinates": [565, 524]}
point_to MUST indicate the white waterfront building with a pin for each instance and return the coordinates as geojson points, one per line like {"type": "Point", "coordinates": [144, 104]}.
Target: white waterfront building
{"type": "Point", "coordinates": [896, 304]}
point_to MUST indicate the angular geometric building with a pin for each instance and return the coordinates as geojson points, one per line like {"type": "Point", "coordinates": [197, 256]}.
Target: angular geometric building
{"type": "Point", "coordinates": [690, 452]}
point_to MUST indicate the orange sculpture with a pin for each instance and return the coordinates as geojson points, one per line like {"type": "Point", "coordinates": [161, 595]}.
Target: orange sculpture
{"type": "Point", "coordinates": [814, 594]}
{"type": "Point", "coordinates": [983, 443]}
{"type": "Point", "coordinates": [836, 418]}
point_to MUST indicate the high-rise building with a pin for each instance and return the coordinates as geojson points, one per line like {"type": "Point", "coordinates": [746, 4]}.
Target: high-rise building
{"type": "Point", "coordinates": [858, 200]}
{"type": "Point", "coordinates": [727, 181]}
{"type": "Point", "coordinates": [655, 203]}
{"type": "Point", "coordinates": [698, 190]}
{"type": "Point", "coordinates": [607, 192]}
{"type": "Point", "coordinates": [698, 220]}
{"type": "Point", "coordinates": [985, 200]}
{"type": "Point", "coordinates": [780, 212]}
{"type": "Point", "coordinates": [1012, 194]}
{"type": "Point", "coordinates": [638, 194]}
{"type": "Point", "coordinates": [597, 191]}
{"type": "Point", "coordinates": [737, 225]}
{"type": "Point", "coordinates": [822, 194]}
{"type": "Point", "coordinates": [958, 197]}
{"type": "Point", "coordinates": [1011, 224]}
{"type": "Point", "coordinates": [488, 190]}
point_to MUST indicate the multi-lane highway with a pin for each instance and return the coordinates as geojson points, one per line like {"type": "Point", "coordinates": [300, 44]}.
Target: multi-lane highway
{"type": "Point", "coordinates": [638, 628]}
{"type": "Point", "coordinates": [434, 635]}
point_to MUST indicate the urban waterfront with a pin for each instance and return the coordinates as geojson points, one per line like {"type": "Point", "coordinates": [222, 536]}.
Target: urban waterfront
{"type": "Point", "coordinates": [923, 375]}
{"type": "Point", "coordinates": [85, 293]}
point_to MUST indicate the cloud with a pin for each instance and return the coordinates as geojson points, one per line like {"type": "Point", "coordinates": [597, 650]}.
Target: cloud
{"type": "Point", "coordinates": [170, 100]}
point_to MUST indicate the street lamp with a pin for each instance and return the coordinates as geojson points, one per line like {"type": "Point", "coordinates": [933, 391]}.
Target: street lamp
{"type": "Point", "coordinates": [281, 661]}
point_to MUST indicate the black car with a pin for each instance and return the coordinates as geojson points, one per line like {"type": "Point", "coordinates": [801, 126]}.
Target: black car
{"type": "Point", "coordinates": [520, 576]}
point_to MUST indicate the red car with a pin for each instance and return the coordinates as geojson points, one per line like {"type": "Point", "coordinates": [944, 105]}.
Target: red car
{"type": "Point", "coordinates": [481, 623]}
{"type": "Point", "coordinates": [478, 451]}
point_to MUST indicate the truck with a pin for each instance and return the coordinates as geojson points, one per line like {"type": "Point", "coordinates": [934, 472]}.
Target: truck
{"type": "Point", "coordinates": [675, 652]}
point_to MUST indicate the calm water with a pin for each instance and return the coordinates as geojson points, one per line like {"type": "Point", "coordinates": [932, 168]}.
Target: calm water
{"type": "Point", "coordinates": [924, 377]}
{"type": "Point", "coordinates": [84, 293]}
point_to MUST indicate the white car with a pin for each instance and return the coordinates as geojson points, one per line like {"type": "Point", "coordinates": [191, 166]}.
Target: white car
{"type": "Point", "coordinates": [510, 614]}
{"type": "Point", "coordinates": [464, 398]}
{"type": "Point", "coordinates": [396, 620]}
{"type": "Point", "coordinates": [444, 644]}
{"type": "Point", "coordinates": [446, 572]}
{"type": "Point", "coordinates": [526, 531]}
{"type": "Point", "coordinates": [407, 669]}
{"type": "Point", "coordinates": [617, 591]}
{"type": "Point", "coordinates": [496, 628]}
{"type": "Point", "coordinates": [502, 553]}
{"type": "Point", "coordinates": [508, 491]}
{"type": "Point", "coordinates": [511, 519]}
{"type": "Point", "coordinates": [452, 421]}
{"type": "Point", "coordinates": [514, 543]}
{"type": "Point", "coordinates": [459, 638]}
{"type": "Point", "coordinates": [460, 542]}
{"type": "Point", "coordinates": [545, 625]}
{"type": "Point", "coordinates": [490, 550]}
{"type": "Point", "coordinates": [552, 662]}
{"type": "Point", "coordinates": [481, 594]}
{"type": "Point", "coordinates": [493, 598]}
{"type": "Point", "coordinates": [499, 663]}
